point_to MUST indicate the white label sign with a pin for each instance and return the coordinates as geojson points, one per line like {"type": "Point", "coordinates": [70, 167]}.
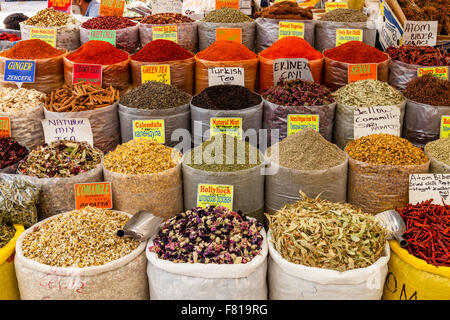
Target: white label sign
{"type": "Point", "coordinates": [291, 69]}
{"type": "Point", "coordinates": [76, 129]}
{"type": "Point", "coordinates": [226, 75]}
{"type": "Point", "coordinates": [420, 33]}
{"type": "Point", "coordinates": [163, 6]}
{"type": "Point", "coordinates": [370, 120]}
{"type": "Point", "coordinates": [426, 186]}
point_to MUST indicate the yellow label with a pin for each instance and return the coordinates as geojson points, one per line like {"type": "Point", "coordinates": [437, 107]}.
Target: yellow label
{"type": "Point", "coordinates": [44, 34]}
{"type": "Point", "coordinates": [438, 72]}
{"type": "Point", "coordinates": [149, 129]}
{"type": "Point", "coordinates": [165, 33]}
{"type": "Point", "coordinates": [346, 35]}
{"type": "Point", "coordinates": [382, 9]}
{"type": "Point", "coordinates": [329, 6]}
{"type": "Point", "coordinates": [298, 122]}
{"type": "Point", "coordinates": [158, 73]}
{"type": "Point", "coordinates": [215, 194]}
{"type": "Point", "coordinates": [445, 126]}
{"type": "Point", "coordinates": [230, 126]}
{"type": "Point", "coordinates": [291, 29]}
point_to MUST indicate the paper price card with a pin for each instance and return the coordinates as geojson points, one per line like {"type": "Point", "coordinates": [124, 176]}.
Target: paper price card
{"type": "Point", "coordinates": [370, 120]}
{"type": "Point", "coordinates": [439, 72]}
{"type": "Point", "coordinates": [445, 126]}
{"type": "Point", "coordinates": [89, 73]}
{"type": "Point", "coordinates": [299, 122]}
{"type": "Point", "coordinates": [60, 5]}
{"type": "Point", "coordinates": [230, 34]}
{"type": "Point", "coordinates": [227, 4]}
{"type": "Point", "coordinates": [215, 194]}
{"type": "Point", "coordinates": [75, 129]}
{"type": "Point", "coordinates": [329, 6]}
{"type": "Point", "coordinates": [163, 6]}
{"type": "Point", "coordinates": [291, 29]}
{"type": "Point", "coordinates": [427, 186]}
{"type": "Point", "coordinates": [226, 75]}
{"type": "Point", "coordinates": [149, 129]}
{"type": "Point", "coordinates": [112, 7]}
{"type": "Point", "coordinates": [346, 35]}
{"type": "Point", "coordinates": [291, 69]}
{"type": "Point", "coordinates": [19, 71]}
{"type": "Point", "coordinates": [158, 73]}
{"type": "Point", "coordinates": [5, 127]}
{"type": "Point", "coordinates": [165, 33]}
{"type": "Point", "coordinates": [44, 34]}
{"type": "Point", "coordinates": [365, 71]}
{"type": "Point", "coordinates": [420, 33]}
{"type": "Point", "coordinates": [103, 35]}
{"type": "Point", "coordinates": [230, 126]}
{"type": "Point", "coordinates": [96, 194]}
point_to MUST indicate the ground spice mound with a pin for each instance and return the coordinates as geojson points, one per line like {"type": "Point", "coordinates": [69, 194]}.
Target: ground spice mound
{"type": "Point", "coordinates": [345, 15]}
{"type": "Point", "coordinates": [285, 10]}
{"type": "Point", "coordinates": [226, 15]}
{"type": "Point", "coordinates": [386, 149]}
{"type": "Point", "coordinates": [31, 49]}
{"type": "Point", "coordinates": [226, 51]}
{"type": "Point", "coordinates": [161, 50]}
{"type": "Point", "coordinates": [291, 47]}
{"type": "Point", "coordinates": [98, 52]}
{"type": "Point", "coordinates": [439, 149]}
{"type": "Point", "coordinates": [226, 97]}
{"type": "Point", "coordinates": [429, 90]}
{"type": "Point", "coordinates": [365, 53]}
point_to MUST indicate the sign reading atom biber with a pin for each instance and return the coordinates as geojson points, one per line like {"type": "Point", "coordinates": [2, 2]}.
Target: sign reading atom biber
{"type": "Point", "coordinates": [420, 33]}
{"type": "Point", "coordinates": [427, 186]}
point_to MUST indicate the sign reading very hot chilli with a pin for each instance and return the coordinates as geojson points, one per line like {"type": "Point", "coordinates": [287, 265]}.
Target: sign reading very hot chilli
{"type": "Point", "coordinates": [19, 71]}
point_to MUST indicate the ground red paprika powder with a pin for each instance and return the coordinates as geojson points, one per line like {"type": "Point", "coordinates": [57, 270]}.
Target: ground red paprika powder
{"type": "Point", "coordinates": [161, 50]}
{"type": "Point", "coordinates": [31, 49]}
{"type": "Point", "coordinates": [226, 51]}
{"type": "Point", "coordinates": [356, 52]}
{"type": "Point", "coordinates": [98, 52]}
{"type": "Point", "coordinates": [291, 47]}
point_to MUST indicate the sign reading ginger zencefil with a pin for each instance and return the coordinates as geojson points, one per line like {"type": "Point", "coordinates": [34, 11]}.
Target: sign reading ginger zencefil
{"type": "Point", "coordinates": [426, 186]}
{"type": "Point", "coordinates": [226, 75]}
{"type": "Point", "coordinates": [420, 33]}
{"type": "Point", "coordinates": [291, 69]}
{"type": "Point", "coordinates": [76, 129]}
{"type": "Point", "coordinates": [370, 120]}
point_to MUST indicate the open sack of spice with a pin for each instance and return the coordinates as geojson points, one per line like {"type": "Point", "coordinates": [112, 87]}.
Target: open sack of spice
{"type": "Point", "coordinates": [8, 38]}
{"type": "Point", "coordinates": [11, 153]}
{"type": "Point", "coordinates": [439, 153]}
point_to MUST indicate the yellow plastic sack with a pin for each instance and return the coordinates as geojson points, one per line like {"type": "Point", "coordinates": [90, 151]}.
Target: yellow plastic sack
{"type": "Point", "coordinates": [9, 289]}
{"type": "Point", "coordinates": [411, 278]}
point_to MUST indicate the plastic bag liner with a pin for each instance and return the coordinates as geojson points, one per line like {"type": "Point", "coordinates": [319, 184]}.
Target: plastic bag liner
{"type": "Point", "coordinates": [437, 166]}
{"type": "Point", "coordinates": [181, 73]}
{"type": "Point", "coordinates": [9, 289]}
{"type": "Point", "coordinates": [290, 281]}
{"type": "Point", "coordinates": [127, 39]}
{"type": "Point", "coordinates": [282, 188]}
{"type": "Point", "coordinates": [58, 194]}
{"type": "Point", "coordinates": [201, 72]}
{"type": "Point", "coordinates": [6, 44]}
{"type": "Point", "coordinates": [325, 35]}
{"type": "Point", "coordinates": [344, 126]}
{"type": "Point", "coordinates": [335, 74]}
{"type": "Point", "coordinates": [174, 118]}
{"type": "Point", "coordinates": [376, 188]}
{"type": "Point", "coordinates": [200, 281]}
{"type": "Point", "coordinates": [248, 187]}
{"type": "Point", "coordinates": [267, 31]}
{"type": "Point", "coordinates": [67, 37]}
{"type": "Point", "coordinates": [121, 279]}
{"type": "Point", "coordinates": [251, 119]}
{"type": "Point", "coordinates": [48, 74]}
{"type": "Point", "coordinates": [26, 126]}
{"type": "Point", "coordinates": [186, 34]}
{"type": "Point", "coordinates": [207, 33]}
{"type": "Point", "coordinates": [423, 122]}
{"type": "Point", "coordinates": [266, 72]}
{"type": "Point", "coordinates": [116, 75]}
{"type": "Point", "coordinates": [159, 193]}
{"type": "Point", "coordinates": [400, 73]}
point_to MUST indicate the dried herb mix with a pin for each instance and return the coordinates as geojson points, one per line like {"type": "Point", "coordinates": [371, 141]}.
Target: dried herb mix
{"type": "Point", "coordinates": [344, 15]}
{"type": "Point", "coordinates": [226, 97]}
{"type": "Point", "coordinates": [439, 149]}
{"type": "Point", "coordinates": [7, 232]}
{"type": "Point", "coordinates": [429, 90]}
{"type": "Point", "coordinates": [11, 152]}
{"type": "Point", "coordinates": [226, 15]}
{"type": "Point", "coordinates": [50, 17]}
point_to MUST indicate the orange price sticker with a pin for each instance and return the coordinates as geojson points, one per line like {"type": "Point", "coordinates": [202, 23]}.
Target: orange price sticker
{"type": "Point", "coordinates": [227, 4]}
{"type": "Point", "coordinates": [112, 8]}
{"type": "Point", "coordinates": [231, 34]}
{"type": "Point", "coordinates": [5, 127]}
{"type": "Point", "coordinates": [365, 71]}
{"type": "Point", "coordinates": [96, 194]}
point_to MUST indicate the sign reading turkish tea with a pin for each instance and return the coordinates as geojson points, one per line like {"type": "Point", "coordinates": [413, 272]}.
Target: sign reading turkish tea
{"type": "Point", "coordinates": [365, 71]}
{"type": "Point", "coordinates": [329, 6]}
{"type": "Point", "coordinates": [149, 129]}
{"type": "Point", "coordinates": [445, 126]}
{"type": "Point", "coordinates": [371, 120]}
{"type": "Point", "coordinates": [74, 129]}
{"type": "Point", "coordinates": [438, 72]}
{"type": "Point", "coordinates": [346, 35]}
{"type": "Point", "coordinates": [420, 33]}
{"type": "Point", "coordinates": [45, 34]}
{"type": "Point", "coordinates": [226, 75]}
{"type": "Point", "coordinates": [158, 73]}
{"type": "Point", "coordinates": [230, 126]}
{"type": "Point", "coordinates": [426, 186]}
{"type": "Point", "coordinates": [230, 34]}
{"type": "Point", "coordinates": [103, 35]}
{"type": "Point", "coordinates": [60, 5]}
{"type": "Point", "coordinates": [215, 194]}
{"type": "Point", "coordinates": [112, 7]}
{"type": "Point", "coordinates": [5, 127]}
{"type": "Point", "coordinates": [88, 73]}
{"type": "Point", "coordinates": [291, 29]}
{"type": "Point", "coordinates": [299, 122]}
{"type": "Point", "coordinates": [96, 194]}
{"type": "Point", "coordinates": [19, 71]}
{"type": "Point", "coordinates": [291, 69]}
{"type": "Point", "coordinates": [165, 33]}
{"type": "Point", "coordinates": [227, 4]}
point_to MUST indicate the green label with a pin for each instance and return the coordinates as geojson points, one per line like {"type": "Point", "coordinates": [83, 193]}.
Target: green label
{"type": "Point", "coordinates": [103, 35]}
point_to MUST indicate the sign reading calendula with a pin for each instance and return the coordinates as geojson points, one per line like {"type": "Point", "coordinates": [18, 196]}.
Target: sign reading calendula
{"type": "Point", "coordinates": [103, 35]}
{"type": "Point", "coordinates": [346, 35]}
{"type": "Point", "coordinates": [149, 129]}
{"type": "Point", "coordinates": [445, 126]}
{"type": "Point", "coordinates": [165, 33]}
{"type": "Point", "coordinates": [230, 34]}
{"type": "Point", "coordinates": [291, 29]}
{"type": "Point", "coordinates": [299, 122]}
{"type": "Point", "coordinates": [230, 126]}
{"type": "Point", "coordinates": [158, 73]}
{"type": "Point", "coordinates": [19, 71]}
{"type": "Point", "coordinates": [112, 8]}
{"type": "Point", "coordinates": [5, 127]}
{"type": "Point", "coordinates": [438, 72]}
{"type": "Point", "coordinates": [96, 194]}
{"type": "Point", "coordinates": [365, 71]}
{"type": "Point", "coordinates": [329, 6]}
{"type": "Point", "coordinates": [227, 4]}
{"type": "Point", "coordinates": [215, 194]}
{"type": "Point", "coordinates": [45, 34]}
{"type": "Point", "coordinates": [88, 73]}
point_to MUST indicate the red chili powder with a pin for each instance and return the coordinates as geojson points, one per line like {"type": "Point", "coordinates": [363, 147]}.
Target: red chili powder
{"type": "Point", "coordinates": [98, 52]}
{"type": "Point", "coordinates": [356, 52]}
{"type": "Point", "coordinates": [32, 49]}
{"type": "Point", "coordinates": [226, 51]}
{"type": "Point", "coordinates": [291, 47]}
{"type": "Point", "coordinates": [161, 50]}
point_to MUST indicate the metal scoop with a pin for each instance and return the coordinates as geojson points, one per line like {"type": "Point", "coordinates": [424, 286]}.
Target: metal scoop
{"type": "Point", "coordinates": [392, 221]}
{"type": "Point", "coordinates": [142, 226]}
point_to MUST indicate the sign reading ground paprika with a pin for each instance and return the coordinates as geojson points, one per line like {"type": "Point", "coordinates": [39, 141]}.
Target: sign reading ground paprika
{"type": "Point", "coordinates": [230, 126]}
{"type": "Point", "coordinates": [19, 71]}
{"type": "Point", "coordinates": [149, 129]}
{"type": "Point", "coordinates": [329, 6]}
{"type": "Point", "coordinates": [103, 35]}
{"type": "Point", "coordinates": [45, 34]}
{"type": "Point", "coordinates": [299, 122]}
{"type": "Point", "coordinates": [230, 34]}
{"type": "Point", "coordinates": [5, 127]}
{"type": "Point", "coordinates": [371, 120]}
{"type": "Point", "coordinates": [226, 75]}
{"type": "Point", "coordinates": [89, 73]}
{"type": "Point", "coordinates": [112, 7]}
{"type": "Point", "coordinates": [291, 69]}
{"type": "Point", "coordinates": [365, 71]}
{"type": "Point", "coordinates": [227, 4]}
{"type": "Point", "coordinates": [291, 29]}
{"type": "Point", "coordinates": [445, 126]}
{"type": "Point", "coordinates": [96, 194]}
{"type": "Point", "coordinates": [215, 194]}
{"type": "Point", "coordinates": [438, 72]}
{"type": "Point", "coordinates": [158, 73]}
{"type": "Point", "coordinates": [74, 129]}
{"type": "Point", "coordinates": [426, 186]}
{"type": "Point", "coordinates": [165, 33]}
{"type": "Point", "coordinates": [346, 35]}
{"type": "Point", "coordinates": [60, 5]}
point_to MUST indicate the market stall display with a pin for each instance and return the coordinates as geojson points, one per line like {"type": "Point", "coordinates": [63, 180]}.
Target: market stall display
{"type": "Point", "coordinates": [439, 153]}
{"type": "Point", "coordinates": [11, 153]}
{"type": "Point", "coordinates": [8, 38]}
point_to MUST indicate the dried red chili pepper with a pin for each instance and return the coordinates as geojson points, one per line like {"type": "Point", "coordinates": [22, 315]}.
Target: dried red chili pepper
{"type": "Point", "coordinates": [9, 36]}
{"type": "Point", "coordinates": [11, 152]}
{"type": "Point", "coordinates": [419, 55]}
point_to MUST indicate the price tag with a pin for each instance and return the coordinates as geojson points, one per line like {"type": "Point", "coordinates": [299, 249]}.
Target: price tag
{"type": "Point", "coordinates": [45, 34]}
{"type": "Point", "coordinates": [445, 126]}
{"type": "Point", "coordinates": [427, 186]}
{"type": "Point", "coordinates": [346, 35]}
{"type": "Point", "coordinates": [112, 8]}
{"type": "Point", "coordinates": [158, 73]}
{"type": "Point", "coordinates": [226, 75]}
{"type": "Point", "coordinates": [19, 71]}
{"type": "Point", "coordinates": [231, 34]}
{"type": "Point", "coordinates": [230, 126]}
{"type": "Point", "coordinates": [5, 127]}
{"type": "Point", "coordinates": [291, 69]}
{"type": "Point", "coordinates": [74, 129]}
{"type": "Point", "coordinates": [291, 29]}
{"type": "Point", "coordinates": [329, 6]}
{"type": "Point", "coordinates": [227, 4]}
{"type": "Point", "coordinates": [89, 73]}
{"type": "Point", "coordinates": [299, 122]}
{"type": "Point", "coordinates": [60, 5]}
{"type": "Point", "coordinates": [439, 72]}
{"type": "Point", "coordinates": [163, 6]}
{"type": "Point", "coordinates": [370, 120]}
{"type": "Point", "coordinates": [103, 35]}
{"type": "Point", "coordinates": [165, 33]}
{"type": "Point", "coordinates": [215, 194]}
{"type": "Point", "coordinates": [96, 194]}
{"type": "Point", "coordinates": [149, 129]}
{"type": "Point", "coordinates": [365, 71]}
{"type": "Point", "coordinates": [420, 33]}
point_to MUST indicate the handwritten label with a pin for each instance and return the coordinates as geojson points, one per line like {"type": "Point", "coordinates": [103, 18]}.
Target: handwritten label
{"type": "Point", "coordinates": [291, 29]}
{"type": "Point", "coordinates": [158, 73]}
{"type": "Point", "coordinates": [45, 34]}
{"type": "Point", "coordinates": [215, 194]}
{"type": "Point", "coordinates": [329, 6]}
{"type": "Point", "coordinates": [103, 35]}
{"type": "Point", "coordinates": [226, 75]}
{"type": "Point", "coordinates": [426, 186]}
{"type": "Point", "coordinates": [112, 8]}
{"type": "Point", "coordinates": [89, 73]}
{"type": "Point", "coordinates": [60, 5]}
{"type": "Point", "coordinates": [227, 4]}
{"type": "Point", "coordinates": [96, 194]}
{"type": "Point", "coordinates": [75, 129]}
{"type": "Point", "coordinates": [438, 72]}
{"type": "Point", "coordinates": [445, 126]}
{"type": "Point", "coordinates": [420, 33]}
{"type": "Point", "coordinates": [299, 122]}
{"type": "Point", "coordinates": [5, 127]}
{"type": "Point", "coordinates": [149, 129]}
{"type": "Point", "coordinates": [346, 35]}
{"type": "Point", "coordinates": [230, 126]}
{"type": "Point", "coordinates": [291, 69]}
{"type": "Point", "coordinates": [165, 33]}
{"type": "Point", "coordinates": [230, 34]}
{"type": "Point", "coordinates": [370, 120]}
{"type": "Point", "coordinates": [365, 71]}
{"type": "Point", "coordinates": [163, 6]}
{"type": "Point", "coordinates": [19, 71]}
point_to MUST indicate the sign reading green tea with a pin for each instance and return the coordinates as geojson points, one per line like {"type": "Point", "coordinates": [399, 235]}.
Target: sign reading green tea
{"type": "Point", "coordinates": [371, 120]}
{"type": "Point", "coordinates": [165, 33]}
{"type": "Point", "coordinates": [19, 71]}
{"type": "Point", "coordinates": [226, 75]}
{"type": "Point", "coordinates": [438, 72]}
{"type": "Point", "coordinates": [103, 35]}
{"type": "Point", "coordinates": [426, 186]}
{"type": "Point", "coordinates": [365, 71]}
{"type": "Point", "coordinates": [346, 35]}
{"type": "Point", "coordinates": [215, 194]}
{"type": "Point", "coordinates": [96, 194]}
{"type": "Point", "coordinates": [291, 69]}
{"type": "Point", "coordinates": [88, 73]}
{"type": "Point", "coordinates": [299, 122]}
{"type": "Point", "coordinates": [5, 127]}
{"type": "Point", "coordinates": [45, 34]}
{"type": "Point", "coordinates": [291, 29]}
{"type": "Point", "coordinates": [158, 73]}
{"type": "Point", "coordinates": [149, 129]}
{"type": "Point", "coordinates": [74, 129]}
{"type": "Point", "coordinates": [445, 126]}
{"type": "Point", "coordinates": [230, 126]}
